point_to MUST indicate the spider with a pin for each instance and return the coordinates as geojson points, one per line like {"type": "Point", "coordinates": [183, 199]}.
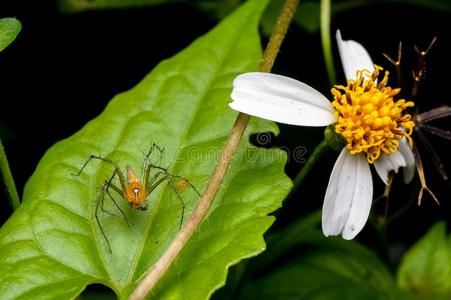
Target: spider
{"type": "Point", "coordinates": [133, 189]}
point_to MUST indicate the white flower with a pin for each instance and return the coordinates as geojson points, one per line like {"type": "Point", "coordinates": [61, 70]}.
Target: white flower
{"type": "Point", "coordinates": [365, 114]}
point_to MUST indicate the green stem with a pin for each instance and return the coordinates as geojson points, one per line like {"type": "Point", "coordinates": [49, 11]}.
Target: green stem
{"type": "Point", "coordinates": [326, 40]}
{"type": "Point", "coordinates": [8, 179]}
{"type": "Point", "coordinates": [314, 157]}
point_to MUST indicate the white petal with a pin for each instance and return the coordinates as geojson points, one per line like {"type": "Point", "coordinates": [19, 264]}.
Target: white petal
{"type": "Point", "coordinates": [386, 163]}
{"type": "Point", "coordinates": [348, 196]}
{"type": "Point", "coordinates": [280, 99]}
{"type": "Point", "coordinates": [409, 171]}
{"type": "Point", "coordinates": [353, 57]}
{"type": "Point", "coordinates": [361, 202]}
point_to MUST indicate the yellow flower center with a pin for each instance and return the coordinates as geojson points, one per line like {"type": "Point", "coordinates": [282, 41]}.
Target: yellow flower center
{"type": "Point", "coordinates": [368, 117]}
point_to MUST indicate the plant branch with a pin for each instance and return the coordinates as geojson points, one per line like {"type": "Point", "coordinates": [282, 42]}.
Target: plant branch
{"type": "Point", "coordinates": [313, 158]}
{"type": "Point", "coordinates": [157, 271]}
{"type": "Point", "coordinates": [326, 40]}
{"type": "Point", "coordinates": [8, 179]}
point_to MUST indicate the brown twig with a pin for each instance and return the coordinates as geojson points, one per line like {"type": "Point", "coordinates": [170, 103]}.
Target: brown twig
{"type": "Point", "coordinates": [418, 75]}
{"type": "Point", "coordinates": [157, 271]}
{"type": "Point", "coordinates": [397, 64]}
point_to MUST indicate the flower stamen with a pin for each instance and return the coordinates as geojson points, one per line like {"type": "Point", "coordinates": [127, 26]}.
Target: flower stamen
{"type": "Point", "coordinates": [368, 117]}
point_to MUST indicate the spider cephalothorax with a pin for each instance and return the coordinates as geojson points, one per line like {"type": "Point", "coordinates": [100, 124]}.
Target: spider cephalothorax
{"type": "Point", "coordinates": [135, 191]}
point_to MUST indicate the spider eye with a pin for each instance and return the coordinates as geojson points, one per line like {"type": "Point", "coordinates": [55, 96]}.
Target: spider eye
{"type": "Point", "coordinates": [136, 191]}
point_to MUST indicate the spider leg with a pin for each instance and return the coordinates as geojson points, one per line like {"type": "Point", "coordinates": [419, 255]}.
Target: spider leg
{"type": "Point", "coordinates": [147, 165]}
{"type": "Point", "coordinates": [171, 184]}
{"type": "Point", "coordinates": [117, 170]}
{"type": "Point", "coordinates": [157, 180]}
{"type": "Point", "coordinates": [146, 158]}
{"type": "Point", "coordinates": [96, 214]}
{"type": "Point", "coordinates": [153, 185]}
{"type": "Point", "coordinates": [118, 190]}
{"type": "Point", "coordinates": [105, 210]}
{"type": "Point", "coordinates": [105, 189]}
{"type": "Point", "coordinates": [188, 182]}
{"type": "Point", "coordinates": [165, 171]}
{"type": "Point", "coordinates": [180, 177]}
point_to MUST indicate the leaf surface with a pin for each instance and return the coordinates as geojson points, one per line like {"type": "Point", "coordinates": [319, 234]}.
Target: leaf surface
{"type": "Point", "coordinates": [52, 247]}
{"type": "Point", "coordinates": [9, 29]}
{"type": "Point", "coordinates": [315, 267]}
{"type": "Point", "coordinates": [426, 268]}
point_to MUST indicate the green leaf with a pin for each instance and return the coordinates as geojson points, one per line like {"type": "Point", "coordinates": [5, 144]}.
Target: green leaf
{"type": "Point", "coordinates": [322, 268]}
{"type": "Point", "coordinates": [52, 246]}
{"type": "Point", "coordinates": [426, 268]}
{"type": "Point", "coordinates": [282, 241]}
{"type": "Point", "coordinates": [214, 8]}
{"type": "Point", "coordinates": [9, 29]}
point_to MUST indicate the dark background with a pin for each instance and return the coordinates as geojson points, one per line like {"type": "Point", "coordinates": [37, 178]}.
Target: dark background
{"type": "Point", "coordinates": [63, 69]}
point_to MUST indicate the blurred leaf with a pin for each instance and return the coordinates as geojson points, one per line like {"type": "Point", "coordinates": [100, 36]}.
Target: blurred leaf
{"type": "Point", "coordinates": [308, 17]}
{"type": "Point", "coordinates": [431, 4]}
{"type": "Point", "coordinates": [9, 29]}
{"type": "Point", "coordinates": [426, 268]}
{"type": "Point", "coordinates": [71, 6]}
{"type": "Point", "coordinates": [319, 268]}
{"type": "Point", "coordinates": [269, 17]}
{"type": "Point", "coordinates": [343, 5]}
{"type": "Point", "coordinates": [282, 241]}
{"type": "Point", "coordinates": [52, 246]}
{"type": "Point", "coordinates": [214, 8]}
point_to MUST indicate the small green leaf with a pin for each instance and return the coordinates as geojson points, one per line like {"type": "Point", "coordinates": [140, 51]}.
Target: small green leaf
{"type": "Point", "coordinates": [9, 29]}
{"type": "Point", "coordinates": [426, 268]}
{"type": "Point", "coordinates": [52, 246]}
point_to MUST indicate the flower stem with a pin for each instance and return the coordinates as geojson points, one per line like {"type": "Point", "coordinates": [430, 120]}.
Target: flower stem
{"type": "Point", "coordinates": [8, 179]}
{"type": "Point", "coordinates": [314, 157]}
{"type": "Point", "coordinates": [326, 40]}
{"type": "Point", "coordinates": [157, 271]}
